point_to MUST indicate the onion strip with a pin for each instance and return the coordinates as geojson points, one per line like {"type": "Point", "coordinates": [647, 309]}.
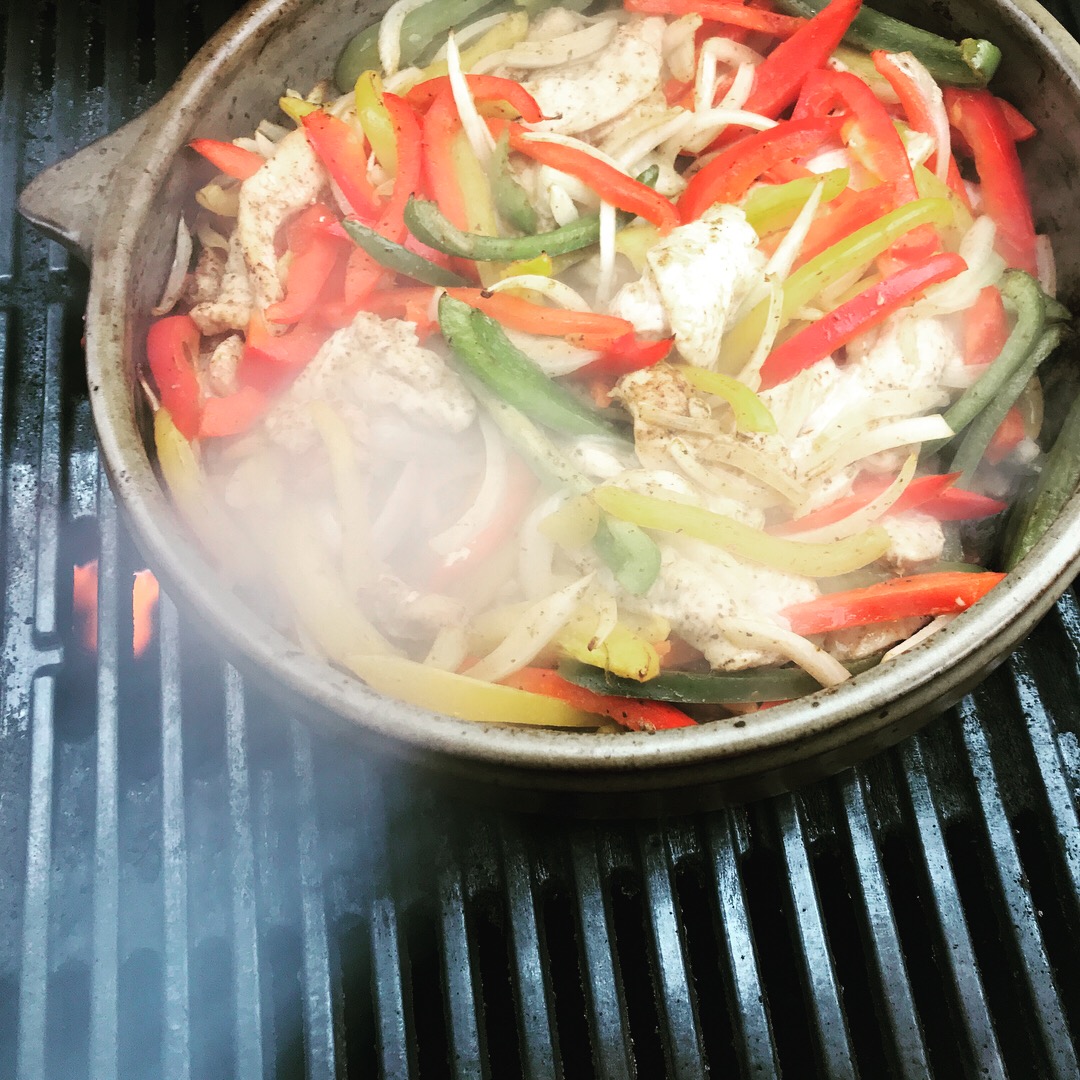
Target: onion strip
{"type": "Point", "coordinates": [815, 661]}
{"type": "Point", "coordinates": [492, 492]}
{"type": "Point", "coordinates": [476, 131]}
{"type": "Point", "coordinates": [536, 627]}
{"type": "Point", "coordinates": [866, 515]}
{"type": "Point", "coordinates": [178, 272]}
{"type": "Point", "coordinates": [909, 432]}
{"type": "Point", "coordinates": [393, 22]}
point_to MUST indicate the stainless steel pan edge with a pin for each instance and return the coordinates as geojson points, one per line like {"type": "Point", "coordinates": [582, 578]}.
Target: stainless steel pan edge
{"type": "Point", "coordinates": [271, 45]}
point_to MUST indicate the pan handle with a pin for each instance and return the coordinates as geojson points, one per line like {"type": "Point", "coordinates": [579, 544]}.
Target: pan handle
{"type": "Point", "coordinates": [67, 200]}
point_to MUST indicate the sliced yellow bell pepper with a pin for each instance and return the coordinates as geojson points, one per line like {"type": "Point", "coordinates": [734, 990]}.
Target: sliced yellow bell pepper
{"type": "Point", "coordinates": [750, 411]}
{"type": "Point", "coordinates": [465, 698]}
{"type": "Point", "coordinates": [754, 545]}
{"type": "Point", "coordinates": [375, 119]}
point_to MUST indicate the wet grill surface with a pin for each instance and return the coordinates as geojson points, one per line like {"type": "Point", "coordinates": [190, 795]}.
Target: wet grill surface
{"type": "Point", "coordinates": [196, 887]}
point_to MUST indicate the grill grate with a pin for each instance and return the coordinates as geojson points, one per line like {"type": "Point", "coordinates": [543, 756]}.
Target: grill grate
{"type": "Point", "coordinates": [197, 887]}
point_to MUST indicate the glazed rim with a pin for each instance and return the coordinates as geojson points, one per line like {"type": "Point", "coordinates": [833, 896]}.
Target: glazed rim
{"type": "Point", "coordinates": [954, 657]}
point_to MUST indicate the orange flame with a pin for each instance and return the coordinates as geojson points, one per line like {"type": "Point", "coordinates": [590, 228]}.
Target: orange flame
{"type": "Point", "coordinates": [144, 597]}
{"type": "Point", "coordinates": [84, 603]}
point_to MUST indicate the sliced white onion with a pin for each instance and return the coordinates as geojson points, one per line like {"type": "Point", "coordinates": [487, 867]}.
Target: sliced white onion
{"type": "Point", "coordinates": [909, 432]}
{"type": "Point", "coordinates": [678, 46]}
{"type": "Point", "coordinates": [783, 258]}
{"type": "Point", "coordinates": [873, 409]}
{"type": "Point", "coordinates": [209, 237]}
{"type": "Point", "coordinates": [402, 81]}
{"type": "Point", "coordinates": [536, 550]}
{"type": "Point", "coordinates": [554, 356]}
{"type": "Point", "coordinates": [449, 649]}
{"type": "Point", "coordinates": [919, 636]}
{"type": "Point", "coordinates": [751, 372]}
{"type": "Point", "coordinates": [758, 464]}
{"type": "Point", "coordinates": [536, 627]}
{"type": "Point", "coordinates": [670, 125]}
{"type": "Point", "coordinates": [552, 288]}
{"type": "Point", "coordinates": [490, 495]}
{"type": "Point", "coordinates": [390, 33]}
{"type": "Point", "coordinates": [984, 267]}
{"type": "Point", "coordinates": [476, 131]}
{"type": "Point", "coordinates": [1046, 265]}
{"type": "Point", "coordinates": [607, 616]}
{"type": "Point", "coordinates": [605, 278]}
{"type": "Point", "coordinates": [704, 126]}
{"type": "Point", "coordinates": [567, 48]}
{"type": "Point", "coordinates": [934, 103]}
{"type": "Point", "coordinates": [757, 634]}
{"type": "Point", "coordinates": [705, 80]}
{"type": "Point", "coordinates": [563, 208]}
{"type": "Point", "coordinates": [866, 515]}
{"type": "Point", "coordinates": [174, 286]}
{"type": "Point", "coordinates": [271, 131]}
{"type": "Point", "coordinates": [395, 519]}
{"type": "Point", "coordinates": [828, 161]}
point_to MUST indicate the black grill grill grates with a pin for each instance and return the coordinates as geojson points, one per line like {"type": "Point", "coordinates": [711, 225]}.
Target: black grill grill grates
{"type": "Point", "coordinates": [197, 888]}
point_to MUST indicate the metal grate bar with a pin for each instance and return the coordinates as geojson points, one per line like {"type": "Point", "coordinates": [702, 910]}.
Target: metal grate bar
{"type": "Point", "coordinates": [33, 984]}
{"type": "Point", "coordinates": [248, 1004]}
{"type": "Point", "coordinates": [396, 1048]}
{"type": "Point", "coordinates": [67, 86]}
{"type": "Point", "coordinates": [750, 1019]}
{"type": "Point", "coordinates": [886, 953]}
{"type": "Point", "coordinates": [534, 1005]}
{"type": "Point", "coordinates": [104, 981]}
{"type": "Point", "coordinates": [1020, 923]}
{"type": "Point", "coordinates": [819, 973]}
{"type": "Point", "coordinates": [1060, 804]}
{"type": "Point", "coordinates": [462, 1001]}
{"type": "Point", "coordinates": [319, 1042]}
{"type": "Point", "coordinates": [607, 1014]}
{"type": "Point", "coordinates": [957, 953]}
{"type": "Point", "coordinates": [49, 478]}
{"type": "Point", "coordinates": [683, 1038]}
{"type": "Point", "coordinates": [176, 1051]}
{"type": "Point", "coordinates": [15, 79]}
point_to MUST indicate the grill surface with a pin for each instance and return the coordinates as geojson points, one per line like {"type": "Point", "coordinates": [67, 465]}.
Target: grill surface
{"type": "Point", "coordinates": [196, 888]}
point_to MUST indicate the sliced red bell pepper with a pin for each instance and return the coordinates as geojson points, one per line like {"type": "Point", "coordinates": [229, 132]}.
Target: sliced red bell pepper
{"type": "Point", "coordinates": [315, 248]}
{"type": "Point", "coordinates": [918, 492]}
{"type": "Point", "coordinates": [609, 183]}
{"type": "Point", "coordinates": [361, 276]}
{"type": "Point", "coordinates": [986, 327]}
{"type": "Point", "coordinates": [442, 126]}
{"type": "Point", "coordinates": [728, 12]}
{"type": "Point", "coordinates": [172, 349]}
{"type": "Point", "coordinates": [342, 150]}
{"type": "Point", "coordinates": [728, 176]}
{"type": "Point", "coordinates": [623, 355]}
{"type": "Point", "coordinates": [978, 116]}
{"type": "Point", "coordinates": [1020, 127]}
{"type": "Point", "coordinates": [233, 414]}
{"type": "Point", "coordinates": [484, 89]}
{"type": "Point", "coordinates": [229, 158]}
{"type": "Point", "coordinates": [630, 713]}
{"type": "Point", "coordinates": [779, 79]}
{"type": "Point", "coordinates": [854, 211]}
{"type": "Point", "coordinates": [269, 361]}
{"type": "Point", "coordinates": [391, 223]}
{"type": "Point", "coordinates": [1007, 438]}
{"type": "Point", "coordinates": [870, 131]}
{"type": "Point", "coordinates": [516, 313]}
{"type": "Point", "coordinates": [956, 504]}
{"type": "Point", "coordinates": [866, 310]}
{"type": "Point", "coordinates": [901, 598]}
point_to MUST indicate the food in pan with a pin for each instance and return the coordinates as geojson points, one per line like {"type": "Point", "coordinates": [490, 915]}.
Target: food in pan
{"type": "Point", "coordinates": [616, 369]}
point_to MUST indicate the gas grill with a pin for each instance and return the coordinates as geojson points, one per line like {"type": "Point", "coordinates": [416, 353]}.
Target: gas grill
{"type": "Point", "coordinates": [197, 886]}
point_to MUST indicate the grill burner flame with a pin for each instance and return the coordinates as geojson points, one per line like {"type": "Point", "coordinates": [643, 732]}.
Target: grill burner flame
{"type": "Point", "coordinates": [84, 604]}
